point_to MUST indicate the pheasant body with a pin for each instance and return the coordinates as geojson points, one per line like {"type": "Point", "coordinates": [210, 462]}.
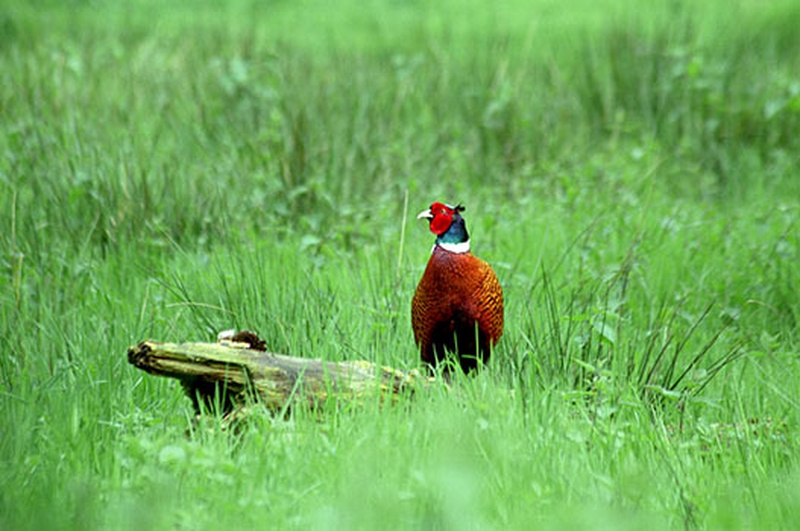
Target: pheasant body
{"type": "Point", "coordinates": [457, 308]}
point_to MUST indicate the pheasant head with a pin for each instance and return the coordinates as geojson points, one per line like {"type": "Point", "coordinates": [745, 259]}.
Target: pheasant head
{"type": "Point", "coordinates": [448, 226]}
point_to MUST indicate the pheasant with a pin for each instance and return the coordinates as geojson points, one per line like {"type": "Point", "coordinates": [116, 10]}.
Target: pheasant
{"type": "Point", "coordinates": [458, 306]}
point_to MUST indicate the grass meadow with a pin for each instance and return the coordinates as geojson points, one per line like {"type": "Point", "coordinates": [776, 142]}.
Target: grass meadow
{"type": "Point", "coordinates": [170, 170]}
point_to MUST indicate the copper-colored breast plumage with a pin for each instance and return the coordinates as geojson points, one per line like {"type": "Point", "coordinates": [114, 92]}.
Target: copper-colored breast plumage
{"type": "Point", "coordinates": [457, 292]}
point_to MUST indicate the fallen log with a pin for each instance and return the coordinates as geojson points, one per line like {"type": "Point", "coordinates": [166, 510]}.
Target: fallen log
{"type": "Point", "coordinates": [228, 375]}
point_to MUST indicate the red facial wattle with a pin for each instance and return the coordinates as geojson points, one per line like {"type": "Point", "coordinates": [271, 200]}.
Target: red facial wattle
{"type": "Point", "coordinates": [442, 218]}
{"type": "Point", "coordinates": [440, 223]}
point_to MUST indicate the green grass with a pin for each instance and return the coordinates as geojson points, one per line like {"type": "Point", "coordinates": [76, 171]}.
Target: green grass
{"type": "Point", "coordinates": [168, 172]}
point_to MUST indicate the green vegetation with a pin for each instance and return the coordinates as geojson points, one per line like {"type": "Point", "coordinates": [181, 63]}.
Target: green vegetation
{"type": "Point", "coordinates": [169, 170]}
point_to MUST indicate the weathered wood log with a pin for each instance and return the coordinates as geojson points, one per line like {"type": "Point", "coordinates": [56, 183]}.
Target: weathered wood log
{"type": "Point", "coordinates": [228, 375]}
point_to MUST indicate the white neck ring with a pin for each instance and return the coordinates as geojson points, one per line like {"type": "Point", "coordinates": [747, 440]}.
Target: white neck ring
{"type": "Point", "coordinates": [458, 248]}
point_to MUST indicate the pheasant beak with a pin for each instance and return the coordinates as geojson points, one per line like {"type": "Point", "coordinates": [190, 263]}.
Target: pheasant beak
{"type": "Point", "coordinates": [425, 214]}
